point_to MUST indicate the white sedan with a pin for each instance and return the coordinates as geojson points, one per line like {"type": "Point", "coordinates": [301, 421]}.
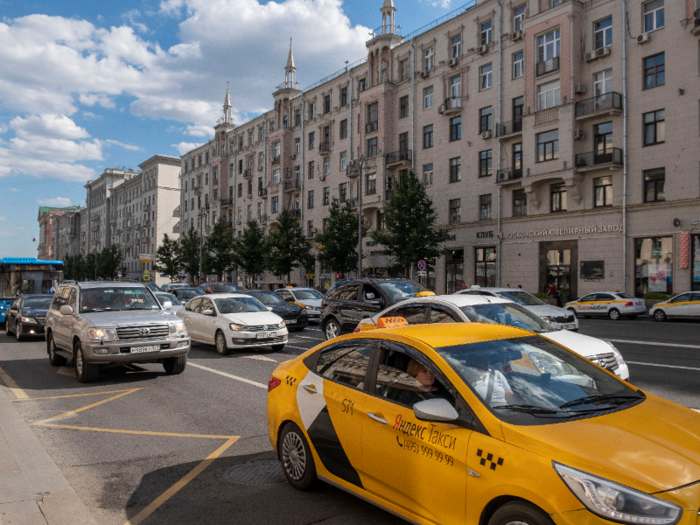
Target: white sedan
{"type": "Point", "coordinates": [614, 305]}
{"type": "Point", "coordinates": [231, 321]}
{"type": "Point", "coordinates": [682, 305]}
{"type": "Point", "coordinates": [486, 309]}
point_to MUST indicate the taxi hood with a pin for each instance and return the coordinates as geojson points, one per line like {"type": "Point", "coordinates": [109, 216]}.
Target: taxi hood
{"type": "Point", "coordinates": [653, 447]}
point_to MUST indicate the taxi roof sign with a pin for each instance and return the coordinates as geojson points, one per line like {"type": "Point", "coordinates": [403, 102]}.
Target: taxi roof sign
{"type": "Point", "coordinates": [425, 293]}
{"type": "Point", "coordinates": [389, 322]}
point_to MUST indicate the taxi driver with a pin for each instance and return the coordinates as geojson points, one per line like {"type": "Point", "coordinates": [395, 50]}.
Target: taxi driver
{"type": "Point", "coordinates": [492, 385]}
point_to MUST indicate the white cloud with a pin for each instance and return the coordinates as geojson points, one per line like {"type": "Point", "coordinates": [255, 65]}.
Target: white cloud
{"type": "Point", "coordinates": [200, 131]}
{"type": "Point", "coordinates": [131, 16]}
{"type": "Point", "coordinates": [3, 218]}
{"type": "Point", "coordinates": [184, 147]}
{"type": "Point", "coordinates": [171, 7]}
{"type": "Point", "coordinates": [48, 125]}
{"type": "Point", "coordinates": [14, 189]}
{"type": "Point", "coordinates": [90, 99]}
{"type": "Point", "coordinates": [130, 147]}
{"type": "Point", "coordinates": [56, 201]}
{"type": "Point", "coordinates": [445, 4]}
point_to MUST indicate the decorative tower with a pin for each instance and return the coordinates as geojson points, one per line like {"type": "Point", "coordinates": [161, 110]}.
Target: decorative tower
{"type": "Point", "coordinates": [290, 70]}
{"type": "Point", "coordinates": [388, 17]}
{"type": "Point", "coordinates": [379, 46]}
{"type": "Point", "coordinates": [227, 106]}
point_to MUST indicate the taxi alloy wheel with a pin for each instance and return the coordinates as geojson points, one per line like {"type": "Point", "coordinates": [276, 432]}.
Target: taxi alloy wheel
{"type": "Point", "coordinates": [295, 456]}
{"type": "Point", "coordinates": [520, 513]}
{"type": "Point", "coordinates": [660, 315]}
{"type": "Point", "coordinates": [54, 358]}
{"type": "Point", "coordinates": [331, 329]}
{"type": "Point", "coordinates": [221, 348]}
{"type": "Point", "coordinates": [614, 314]}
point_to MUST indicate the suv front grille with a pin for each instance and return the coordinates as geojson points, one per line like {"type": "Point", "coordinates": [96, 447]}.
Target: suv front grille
{"type": "Point", "coordinates": [134, 332]}
{"type": "Point", "coordinates": [607, 361]}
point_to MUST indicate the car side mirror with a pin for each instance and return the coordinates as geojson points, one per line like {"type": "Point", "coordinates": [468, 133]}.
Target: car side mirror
{"type": "Point", "coordinates": [167, 305]}
{"type": "Point", "coordinates": [208, 312]}
{"type": "Point", "coordinates": [66, 310]}
{"type": "Point", "coordinates": [269, 308]}
{"type": "Point", "coordinates": [435, 410]}
{"type": "Point", "coordinates": [376, 302]}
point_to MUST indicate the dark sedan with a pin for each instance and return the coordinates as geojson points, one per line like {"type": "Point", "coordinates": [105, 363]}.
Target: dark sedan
{"type": "Point", "coordinates": [185, 295]}
{"type": "Point", "coordinates": [295, 316]}
{"type": "Point", "coordinates": [26, 316]}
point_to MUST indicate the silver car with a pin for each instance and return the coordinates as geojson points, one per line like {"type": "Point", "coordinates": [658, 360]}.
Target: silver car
{"type": "Point", "coordinates": [104, 323]}
{"type": "Point", "coordinates": [306, 297]}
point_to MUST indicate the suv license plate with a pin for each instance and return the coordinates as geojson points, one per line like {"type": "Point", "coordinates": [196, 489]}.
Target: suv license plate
{"type": "Point", "coordinates": [290, 321]}
{"type": "Point", "coordinates": [144, 349]}
{"type": "Point", "coordinates": [266, 335]}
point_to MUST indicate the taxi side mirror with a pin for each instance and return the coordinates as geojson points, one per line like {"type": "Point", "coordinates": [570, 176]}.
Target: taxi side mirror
{"type": "Point", "coordinates": [435, 410]}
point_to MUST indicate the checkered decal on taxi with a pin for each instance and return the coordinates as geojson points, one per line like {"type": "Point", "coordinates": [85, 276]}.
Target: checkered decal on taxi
{"type": "Point", "coordinates": [489, 458]}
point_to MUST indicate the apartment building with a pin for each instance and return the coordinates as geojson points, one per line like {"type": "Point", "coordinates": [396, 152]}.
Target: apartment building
{"type": "Point", "coordinates": [538, 128]}
{"type": "Point", "coordinates": [55, 231]}
{"type": "Point", "coordinates": [99, 228]}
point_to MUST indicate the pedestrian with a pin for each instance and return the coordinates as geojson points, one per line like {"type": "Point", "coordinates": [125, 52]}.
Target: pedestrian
{"type": "Point", "coordinates": [464, 285]}
{"type": "Point", "coordinates": [520, 287]}
{"type": "Point", "coordinates": [508, 285]}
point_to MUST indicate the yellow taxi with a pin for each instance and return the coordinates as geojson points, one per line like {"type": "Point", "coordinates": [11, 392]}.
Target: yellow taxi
{"type": "Point", "coordinates": [476, 423]}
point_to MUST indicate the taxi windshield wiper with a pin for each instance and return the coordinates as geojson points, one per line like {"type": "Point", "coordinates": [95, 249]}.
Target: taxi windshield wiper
{"type": "Point", "coordinates": [600, 397]}
{"type": "Point", "coordinates": [530, 409]}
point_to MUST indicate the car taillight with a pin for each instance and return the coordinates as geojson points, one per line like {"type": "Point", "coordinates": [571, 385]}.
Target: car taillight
{"type": "Point", "coordinates": [629, 303]}
{"type": "Point", "coordinates": [357, 329]}
{"type": "Point", "coordinates": [321, 309]}
{"type": "Point", "coordinates": [273, 383]}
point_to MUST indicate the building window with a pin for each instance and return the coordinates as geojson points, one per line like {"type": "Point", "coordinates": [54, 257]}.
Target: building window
{"type": "Point", "coordinates": [548, 145]}
{"type": "Point", "coordinates": [518, 17]}
{"type": "Point", "coordinates": [485, 163]}
{"type": "Point", "coordinates": [373, 113]}
{"type": "Point", "coordinates": [603, 192]}
{"type": "Point", "coordinates": [654, 182]}
{"type": "Point", "coordinates": [274, 206]}
{"type": "Point", "coordinates": [428, 59]}
{"type": "Point", "coordinates": [312, 110]}
{"type": "Point", "coordinates": [456, 46]}
{"type": "Point", "coordinates": [653, 265]}
{"type": "Point", "coordinates": [485, 207]}
{"type": "Point", "coordinates": [326, 104]}
{"type": "Point", "coordinates": [326, 195]}
{"type": "Point", "coordinates": [370, 184]}
{"type": "Point", "coordinates": [549, 95]}
{"type": "Point", "coordinates": [603, 33]}
{"type": "Point", "coordinates": [518, 158]}
{"type": "Point", "coordinates": [558, 198]}
{"type": "Point", "coordinates": [519, 203]}
{"type": "Point", "coordinates": [343, 160]}
{"type": "Point", "coordinates": [428, 136]}
{"type": "Point", "coordinates": [602, 83]}
{"type": "Point", "coordinates": [343, 97]}
{"type": "Point", "coordinates": [312, 169]}
{"type": "Point", "coordinates": [653, 15]}
{"type": "Point", "coordinates": [603, 142]}
{"type": "Point", "coordinates": [654, 71]}
{"type": "Point", "coordinates": [485, 267]}
{"type": "Point", "coordinates": [486, 34]}
{"type": "Point", "coordinates": [654, 127]}
{"type": "Point", "coordinates": [240, 192]}
{"type": "Point", "coordinates": [403, 107]}
{"type": "Point", "coordinates": [312, 140]}
{"type": "Point", "coordinates": [372, 147]}
{"type": "Point", "coordinates": [310, 199]}
{"type": "Point", "coordinates": [327, 166]}
{"type": "Point", "coordinates": [297, 117]}
{"type": "Point", "coordinates": [485, 76]}
{"type": "Point", "coordinates": [428, 174]}
{"type": "Point", "coordinates": [456, 87]}
{"type": "Point", "coordinates": [344, 129]}
{"type": "Point", "coordinates": [343, 192]}
{"type": "Point", "coordinates": [548, 46]}
{"type": "Point", "coordinates": [428, 97]}
{"type": "Point", "coordinates": [361, 85]}
{"type": "Point", "coordinates": [485, 119]}
{"type": "Point", "coordinates": [276, 176]}
{"type": "Point", "coordinates": [518, 62]}
{"type": "Point", "coordinates": [455, 211]}
{"type": "Point", "coordinates": [455, 128]}
{"type": "Point", "coordinates": [456, 169]}
{"type": "Point", "coordinates": [405, 69]}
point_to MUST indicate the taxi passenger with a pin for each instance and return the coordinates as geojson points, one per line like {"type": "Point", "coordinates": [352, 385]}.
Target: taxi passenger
{"type": "Point", "coordinates": [491, 384]}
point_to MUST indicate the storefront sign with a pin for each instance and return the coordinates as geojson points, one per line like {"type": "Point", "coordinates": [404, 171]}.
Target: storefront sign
{"type": "Point", "coordinates": [695, 222]}
{"type": "Point", "coordinates": [483, 235]}
{"type": "Point", "coordinates": [558, 232]}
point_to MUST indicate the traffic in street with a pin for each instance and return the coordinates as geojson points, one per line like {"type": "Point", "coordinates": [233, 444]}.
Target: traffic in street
{"type": "Point", "coordinates": [139, 445]}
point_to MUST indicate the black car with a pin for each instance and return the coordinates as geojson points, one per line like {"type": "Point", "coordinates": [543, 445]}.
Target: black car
{"type": "Point", "coordinates": [27, 315]}
{"type": "Point", "coordinates": [348, 302]}
{"type": "Point", "coordinates": [185, 295]}
{"type": "Point", "coordinates": [295, 316]}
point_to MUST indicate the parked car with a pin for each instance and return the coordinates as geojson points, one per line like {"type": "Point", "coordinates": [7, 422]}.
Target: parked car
{"type": "Point", "coordinates": [614, 305]}
{"type": "Point", "coordinates": [306, 297]}
{"type": "Point", "coordinates": [169, 287]}
{"type": "Point", "coordinates": [185, 294]}
{"type": "Point", "coordinates": [682, 305]}
{"type": "Point", "coordinates": [209, 288]}
{"type": "Point", "coordinates": [164, 297]}
{"type": "Point", "coordinates": [26, 316]}
{"type": "Point", "coordinates": [232, 321]}
{"type": "Point", "coordinates": [107, 322]}
{"type": "Point", "coordinates": [295, 317]}
{"type": "Point", "coordinates": [153, 287]}
{"type": "Point", "coordinates": [557, 317]}
{"type": "Point", "coordinates": [350, 301]}
{"type": "Point", "coordinates": [441, 309]}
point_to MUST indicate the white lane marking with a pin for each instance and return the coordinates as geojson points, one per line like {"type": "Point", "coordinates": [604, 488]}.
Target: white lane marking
{"type": "Point", "coordinates": [66, 371]}
{"type": "Point", "coordinates": [663, 366]}
{"type": "Point", "coordinates": [652, 343]}
{"type": "Point", "coordinates": [258, 358]}
{"type": "Point", "coordinates": [230, 376]}
{"type": "Point", "coordinates": [316, 339]}
{"type": "Point", "coordinates": [298, 347]}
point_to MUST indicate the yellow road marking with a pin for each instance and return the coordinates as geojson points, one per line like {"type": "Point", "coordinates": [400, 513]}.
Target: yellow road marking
{"type": "Point", "coordinates": [77, 410]}
{"type": "Point", "coordinates": [76, 395]}
{"type": "Point", "coordinates": [12, 386]}
{"type": "Point", "coordinates": [145, 513]}
{"type": "Point", "coordinates": [136, 432]}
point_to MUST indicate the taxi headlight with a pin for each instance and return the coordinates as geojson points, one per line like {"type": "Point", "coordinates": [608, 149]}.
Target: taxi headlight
{"type": "Point", "coordinates": [178, 329]}
{"type": "Point", "coordinates": [236, 327]}
{"type": "Point", "coordinates": [308, 307]}
{"type": "Point", "coordinates": [29, 320]}
{"type": "Point", "coordinates": [282, 325]}
{"type": "Point", "coordinates": [102, 334]}
{"type": "Point", "coordinates": [616, 502]}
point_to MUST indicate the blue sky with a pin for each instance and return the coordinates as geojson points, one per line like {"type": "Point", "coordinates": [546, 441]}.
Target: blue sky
{"type": "Point", "coordinates": [92, 85]}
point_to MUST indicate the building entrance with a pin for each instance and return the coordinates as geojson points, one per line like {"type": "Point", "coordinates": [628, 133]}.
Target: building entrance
{"type": "Point", "coordinates": [559, 267]}
{"type": "Point", "coordinates": [454, 270]}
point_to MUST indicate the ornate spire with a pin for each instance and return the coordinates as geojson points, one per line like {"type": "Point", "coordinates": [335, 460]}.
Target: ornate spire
{"type": "Point", "coordinates": [388, 17]}
{"type": "Point", "coordinates": [290, 58]}
{"type": "Point", "coordinates": [290, 70]}
{"type": "Point", "coordinates": [227, 105]}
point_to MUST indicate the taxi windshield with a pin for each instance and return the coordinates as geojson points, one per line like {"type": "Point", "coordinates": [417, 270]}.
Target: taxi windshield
{"type": "Point", "coordinates": [116, 299]}
{"type": "Point", "coordinates": [399, 290]}
{"type": "Point", "coordinates": [532, 381]}
{"type": "Point", "coordinates": [521, 297]}
{"type": "Point", "coordinates": [507, 314]}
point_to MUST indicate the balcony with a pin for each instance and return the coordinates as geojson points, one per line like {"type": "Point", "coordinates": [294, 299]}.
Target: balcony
{"type": "Point", "coordinates": [207, 228]}
{"type": "Point", "coordinates": [207, 206]}
{"type": "Point", "coordinates": [262, 192]}
{"type": "Point", "coordinates": [548, 66]}
{"type": "Point", "coordinates": [388, 195]}
{"type": "Point", "coordinates": [372, 127]}
{"type": "Point", "coordinates": [248, 174]}
{"type": "Point", "coordinates": [509, 129]}
{"type": "Point", "coordinates": [592, 160]}
{"type": "Point", "coordinates": [292, 185]}
{"type": "Point", "coordinates": [148, 207]}
{"type": "Point", "coordinates": [227, 203]}
{"type": "Point", "coordinates": [602, 105]}
{"type": "Point", "coordinates": [198, 190]}
{"type": "Point", "coordinates": [275, 160]}
{"type": "Point", "coordinates": [262, 218]}
{"type": "Point", "coordinates": [354, 202]}
{"type": "Point", "coordinates": [396, 159]}
{"type": "Point", "coordinates": [509, 175]}
{"type": "Point", "coordinates": [292, 209]}
{"type": "Point", "coordinates": [696, 27]}
{"type": "Point", "coordinates": [324, 148]}
{"type": "Point", "coordinates": [452, 106]}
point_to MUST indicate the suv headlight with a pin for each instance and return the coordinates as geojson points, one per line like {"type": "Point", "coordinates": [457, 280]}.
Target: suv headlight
{"type": "Point", "coordinates": [102, 334]}
{"type": "Point", "coordinates": [616, 502]}
{"type": "Point", "coordinates": [29, 320]}
{"type": "Point", "coordinates": [178, 329]}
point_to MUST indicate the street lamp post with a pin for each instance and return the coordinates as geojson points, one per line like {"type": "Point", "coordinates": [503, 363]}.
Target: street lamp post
{"type": "Point", "coordinates": [357, 166]}
{"type": "Point", "coordinates": [201, 215]}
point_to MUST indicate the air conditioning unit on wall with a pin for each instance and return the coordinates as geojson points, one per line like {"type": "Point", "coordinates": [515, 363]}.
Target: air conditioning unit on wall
{"type": "Point", "coordinates": [579, 134]}
{"type": "Point", "coordinates": [454, 61]}
{"type": "Point", "coordinates": [486, 135]}
{"type": "Point", "coordinates": [590, 56]}
{"type": "Point", "coordinates": [603, 52]}
{"type": "Point", "coordinates": [517, 35]}
{"type": "Point", "coordinates": [483, 49]}
{"type": "Point", "coordinates": [580, 89]}
{"type": "Point", "coordinates": [643, 38]}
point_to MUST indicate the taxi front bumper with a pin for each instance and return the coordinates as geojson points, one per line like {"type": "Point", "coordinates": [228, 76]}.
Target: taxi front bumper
{"type": "Point", "coordinates": [584, 517]}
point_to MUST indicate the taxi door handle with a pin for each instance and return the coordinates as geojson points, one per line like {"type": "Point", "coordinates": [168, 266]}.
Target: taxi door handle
{"type": "Point", "coordinates": [311, 389]}
{"type": "Point", "coordinates": [377, 418]}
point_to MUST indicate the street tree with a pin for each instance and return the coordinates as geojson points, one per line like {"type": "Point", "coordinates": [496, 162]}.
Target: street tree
{"type": "Point", "coordinates": [218, 255]}
{"type": "Point", "coordinates": [286, 247]}
{"type": "Point", "coordinates": [189, 253]}
{"type": "Point", "coordinates": [410, 217]}
{"type": "Point", "coordinates": [109, 261]}
{"type": "Point", "coordinates": [337, 243]}
{"type": "Point", "coordinates": [168, 258]}
{"type": "Point", "coordinates": [249, 249]}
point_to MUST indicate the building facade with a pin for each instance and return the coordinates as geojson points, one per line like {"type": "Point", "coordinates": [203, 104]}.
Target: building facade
{"type": "Point", "coordinates": [55, 228]}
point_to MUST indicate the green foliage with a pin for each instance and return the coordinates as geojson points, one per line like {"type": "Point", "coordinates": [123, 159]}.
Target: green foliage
{"type": "Point", "coordinates": [286, 247]}
{"type": "Point", "coordinates": [541, 295]}
{"type": "Point", "coordinates": [249, 249]}
{"type": "Point", "coordinates": [218, 256]}
{"type": "Point", "coordinates": [168, 258]}
{"type": "Point", "coordinates": [189, 253]}
{"type": "Point", "coordinates": [73, 266]}
{"type": "Point", "coordinates": [658, 296]}
{"type": "Point", "coordinates": [109, 261]}
{"type": "Point", "coordinates": [337, 243]}
{"type": "Point", "coordinates": [410, 218]}
{"type": "Point", "coordinates": [90, 268]}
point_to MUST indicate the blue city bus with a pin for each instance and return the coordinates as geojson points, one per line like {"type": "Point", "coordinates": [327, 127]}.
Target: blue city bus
{"type": "Point", "coordinates": [26, 275]}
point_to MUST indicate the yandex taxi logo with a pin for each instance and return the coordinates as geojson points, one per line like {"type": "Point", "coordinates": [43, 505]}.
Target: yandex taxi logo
{"type": "Point", "coordinates": [388, 322]}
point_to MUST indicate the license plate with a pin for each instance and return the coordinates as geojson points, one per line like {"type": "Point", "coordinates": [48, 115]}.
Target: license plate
{"type": "Point", "coordinates": [290, 321]}
{"type": "Point", "coordinates": [265, 335]}
{"type": "Point", "coordinates": [144, 349]}
{"type": "Point", "coordinates": [568, 326]}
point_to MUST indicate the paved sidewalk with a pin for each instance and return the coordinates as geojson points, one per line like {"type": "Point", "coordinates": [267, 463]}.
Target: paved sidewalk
{"type": "Point", "coordinates": [32, 489]}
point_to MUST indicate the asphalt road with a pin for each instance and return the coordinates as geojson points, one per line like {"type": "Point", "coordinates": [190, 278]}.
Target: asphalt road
{"type": "Point", "coordinates": [140, 446]}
